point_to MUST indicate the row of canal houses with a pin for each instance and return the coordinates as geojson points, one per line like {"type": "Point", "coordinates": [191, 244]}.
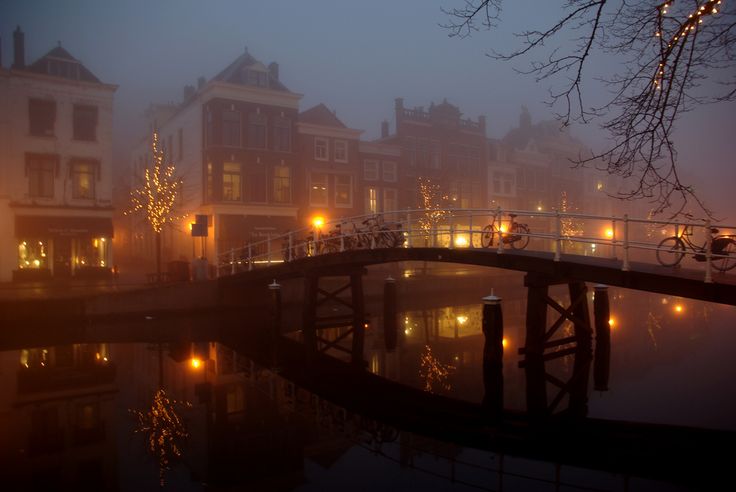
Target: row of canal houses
{"type": "Point", "coordinates": [252, 162]}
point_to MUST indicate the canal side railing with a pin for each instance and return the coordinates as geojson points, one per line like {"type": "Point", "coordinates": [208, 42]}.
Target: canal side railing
{"type": "Point", "coordinates": [621, 237]}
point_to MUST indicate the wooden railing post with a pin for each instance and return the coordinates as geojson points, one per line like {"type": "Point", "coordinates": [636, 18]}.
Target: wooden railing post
{"type": "Point", "coordinates": [470, 231]}
{"type": "Point", "coordinates": [268, 249]}
{"type": "Point", "coordinates": [558, 240]}
{"type": "Point", "coordinates": [232, 261]}
{"type": "Point", "coordinates": [708, 253]}
{"type": "Point", "coordinates": [625, 266]}
{"type": "Point", "coordinates": [250, 257]}
{"type": "Point", "coordinates": [408, 229]}
{"type": "Point", "coordinates": [500, 234]}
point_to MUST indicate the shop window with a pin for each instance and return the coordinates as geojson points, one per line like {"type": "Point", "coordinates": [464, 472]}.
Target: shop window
{"type": "Point", "coordinates": [83, 180]}
{"type": "Point", "coordinates": [282, 184]}
{"type": "Point", "coordinates": [41, 117]}
{"type": "Point", "coordinates": [85, 122]}
{"type": "Point", "coordinates": [318, 189]}
{"type": "Point", "coordinates": [321, 152]}
{"type": "Point", "coordinates": [32, 254]}
{"type": "Point", "coordinates": [231, 181]}
{"type": "Point", "coordinates": [231, 128]}
{"type": "Point", "coordinates": [41, 171]}
{"type": "Point", "coordinates": [92, 252]}
{"type": "Point", "coordinates": [341, 151]}
{"type": "Point", "coordinates": [343, 191]}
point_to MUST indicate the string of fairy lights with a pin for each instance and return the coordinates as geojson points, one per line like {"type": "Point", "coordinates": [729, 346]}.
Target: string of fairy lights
{"type": "Point", "coordinates": [156, 198]}
{"type": "Point", "coordinates": [432, 203]}
{"type": "Point", "coordinates": [433, 372]}
{"type": "Point", "coordinates": [687, 26]}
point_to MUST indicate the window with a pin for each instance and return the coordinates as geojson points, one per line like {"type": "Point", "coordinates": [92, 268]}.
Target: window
{"type": "Point", "coordinates": [210, 183]}
{"type": "Point", "coordinates": [343, 190]}
{"type": "Point", "coordinates": [257, 78]}
{"type": "Point", "coordinates": [433, 147]}
{"type": "Point", "coordinates": [390, 201]}
{"type": "Point", "coordinates": [410, 149]}
{"type": "Point", "coordinates": [321, 152]}
{"type": "Point", "coordinates": [282, 135]}
{"type": "Point", "coordinates": [281, 184]}
{"type": "Point", "coordinates": [85, 122]}
{"type": "Point", "coordinates": [92, 252]}
{"type": "Point", "coordinates": [257, 131]}
{"type": "Point", "coordinates": [231, 128]}
{"type": "Point", "coordinates": [370, 170]}
{"type": "Point", "coordinates": [503, 183]}
{"type": "Point", "coordinates": [341, 151]}
{"type": "Point", "coordinates": [389, 171]}
{"type": "Point", "coordinates": [41, 116]}
{"type": "Point", "coordinates": [371, 200]}
{"type": "Point", "coordinates": [318, 189]}
{"type": "Point", "coordinates": [180, 149]}
{"type": "Point", "coordinates": [231, 181]}
{"type": "Point", "coordinates": [41, 170]}
{"type": "Point", "coordinates": [83, 179]}
{"type": "Point", "coordinates": [257, 186]}
{"type": "Point", "coordinates": [32, 254]}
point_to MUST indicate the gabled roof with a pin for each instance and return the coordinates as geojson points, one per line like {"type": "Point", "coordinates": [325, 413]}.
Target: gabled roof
{"type": "Point", "coordinates": [60, 63]}
{"type": "Point", "coordinates": [320, 115]}
{"type": "Point", "coordinates": [237, 73]}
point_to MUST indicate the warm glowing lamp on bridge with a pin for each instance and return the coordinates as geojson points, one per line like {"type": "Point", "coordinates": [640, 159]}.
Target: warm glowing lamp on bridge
{"type": "Point", "coordinates": [462, 319]}
{"type": "Point", "coordinates": [611, 322]}
{"type": "Point", "coordinates": [195, 362]}
{"type": "Point", "coordinates": [609, 233]}
{"type": "Point", "coordinates": [318, 221]}
{"type": "Point", "coordinates": [461, 242]}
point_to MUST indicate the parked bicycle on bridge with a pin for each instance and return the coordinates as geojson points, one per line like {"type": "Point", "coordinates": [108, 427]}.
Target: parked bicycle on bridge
{"type": "Point", "coordinates": [515, 233]}
{"type": "Point", "coordinates": [671, 250]}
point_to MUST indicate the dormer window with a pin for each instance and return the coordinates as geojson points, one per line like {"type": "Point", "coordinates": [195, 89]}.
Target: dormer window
{"type": "Point", "coordinates": [258, 78]}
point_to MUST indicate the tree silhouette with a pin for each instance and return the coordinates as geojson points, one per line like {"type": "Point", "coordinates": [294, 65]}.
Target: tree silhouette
{"type": "Point", "coordinates": [676, 55]}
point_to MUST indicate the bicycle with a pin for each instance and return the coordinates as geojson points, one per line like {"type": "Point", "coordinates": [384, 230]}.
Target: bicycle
{"type": "Point", "coordinates": [671, 250]}
{"type": "Point", "coordinates": [516, 234]}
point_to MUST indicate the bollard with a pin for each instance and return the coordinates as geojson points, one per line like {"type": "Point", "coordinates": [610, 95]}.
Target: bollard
{"type": "Point", "coordinates": [390, 329]}
{"type": "Point", "coordinates": [602, 360]}
{"type": "Point", "coordinates": [493, 356]}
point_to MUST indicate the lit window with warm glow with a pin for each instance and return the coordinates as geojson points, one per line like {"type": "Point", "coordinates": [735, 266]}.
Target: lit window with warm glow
{"type": "Point", "coordinates": [32, 254]}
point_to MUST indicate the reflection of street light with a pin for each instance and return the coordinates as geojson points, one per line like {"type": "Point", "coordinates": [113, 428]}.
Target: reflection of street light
{"type": "Point", "coordinates": [504, 342]}
{"type": "Point", "coordinates": [462, 319]}
{"type": "Point", "coordinates": [611, 322]}
{"type": "Point", "coordinates": [195, 362]}
{"type": "Point", "coordinates": [678, 308]}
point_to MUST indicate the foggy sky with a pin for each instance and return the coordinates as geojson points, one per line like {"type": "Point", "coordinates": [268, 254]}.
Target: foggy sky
{"type": "Point", "coordinates": [355, 57]}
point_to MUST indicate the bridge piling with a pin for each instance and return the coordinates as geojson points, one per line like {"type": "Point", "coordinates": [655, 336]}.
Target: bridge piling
{"type": "Point", "coordinates": [534, 371]}
{"type": "Point", "coordinates": [493, 356]}
{"type": "Point", "coordinates": [602, 360]}
{"type": "Point", "coordinates": [390, 329]}
{"type": "Point", "coordinates": [578, 404]}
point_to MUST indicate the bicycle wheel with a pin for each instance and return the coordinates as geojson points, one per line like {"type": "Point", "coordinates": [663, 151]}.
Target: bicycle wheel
{"type": "Point", "coordinates": [670, 251]}
{"type": "Point", "coordinates": [725, 264]}
{"type": "Point", "coordinates": [522, 231]}
{"type": "Point", "coordinates": [486, 237]}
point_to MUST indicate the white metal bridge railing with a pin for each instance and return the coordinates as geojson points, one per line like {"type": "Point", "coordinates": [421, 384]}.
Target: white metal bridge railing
{"type": "Point", "coordinates": [623, 238]}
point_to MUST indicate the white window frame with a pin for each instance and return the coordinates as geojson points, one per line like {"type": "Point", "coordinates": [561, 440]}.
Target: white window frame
{"type": "Point", "coordinates": [343, 145]}
{"type": "Point", "coordinates": [386, 191]}
{"type": "Point", "coordinates": [320, 142]}
{"type": "Point", "coordinates": [350, 189]}
{"type": "Point", "coordinates": [367, 197]}
{"type": "Point", "coordinates": [391, 176]}
{"type": "Point", "coordinates": [370, 175]}
{"type": "Point", "coordinates": [327, 189]}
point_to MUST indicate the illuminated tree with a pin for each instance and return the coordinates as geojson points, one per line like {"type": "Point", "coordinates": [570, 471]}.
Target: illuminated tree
{"type": "Point", "coordinates": [675, 55]}
{"type": "Point", "coordinates": [570, 226]}
{"type": "Point", "coordinates": [155, 198]}
{"type": "Point", "coordinates": [433, 372]}
{"type": "Point", "coordinates": [163, 429]}
{"type": "Point", "coordinates": [432, 202]}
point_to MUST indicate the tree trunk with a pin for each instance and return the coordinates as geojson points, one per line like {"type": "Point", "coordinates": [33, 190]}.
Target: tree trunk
{"type": "Point", "coordinates": [158, 257]}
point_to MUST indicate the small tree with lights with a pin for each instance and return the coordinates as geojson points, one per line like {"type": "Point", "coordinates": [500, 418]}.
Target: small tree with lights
{"type": "Point", "coordinates": [155, 198]}
{"type": "Point", "coordinates": [432, 201]}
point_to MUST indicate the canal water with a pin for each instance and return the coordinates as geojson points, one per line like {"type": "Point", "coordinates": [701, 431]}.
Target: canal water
{"type": "Point", "coordinates": [202, 416]}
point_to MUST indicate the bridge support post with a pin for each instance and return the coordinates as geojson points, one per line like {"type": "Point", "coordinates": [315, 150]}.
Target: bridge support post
{"type": "Point", "coordinates": [602, 361]}
{"type": "Point", "coordinates": [493, 356]}
{"type": "Point", "coordinates": [356, 290]}
{"type": "Point", "coordinates": [578, 404]}
{"type": "Point", "coordinates": [275, 289]}
{"type": "Point", "coordinates": [390, 329]}
{"type": "Point", "coordinates": [536, 320]}
{"type": "Point", "coordinates": [309, 316]}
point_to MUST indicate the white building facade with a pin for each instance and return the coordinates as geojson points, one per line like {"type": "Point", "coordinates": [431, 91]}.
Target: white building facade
{"type": "Point", "coordinates": [55, 169]}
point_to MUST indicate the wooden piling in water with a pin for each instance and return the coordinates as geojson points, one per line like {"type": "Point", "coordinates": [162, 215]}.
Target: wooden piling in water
{"type": "Point", "coordinates": [390, 329]}
{"type": "Point", "coordinates": [493, 355]}
{"type": "Point", "coordinates": [602, 360]}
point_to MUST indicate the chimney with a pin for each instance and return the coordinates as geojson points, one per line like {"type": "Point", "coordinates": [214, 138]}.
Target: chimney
{"type": "Point", "coordinates": [19, 49]}
{"type": "Point", "coordinates": [273, 69]}
{"type": "Point", "coordinates": [188, 92]}
{"type": "Point", "coordinates": [399, 111]}
{"type": "Point", "coordinates": [200, 82]}
{"type": "Point", "coordinates": [384, 129]}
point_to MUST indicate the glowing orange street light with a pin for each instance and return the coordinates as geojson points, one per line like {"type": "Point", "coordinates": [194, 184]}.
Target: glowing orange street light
{"type": "Point", "coordinates": [195, 362]}
{"type": "Point", "coordinates": [318, 221]}
{"type": "Point", "coordinates": [609, 233]}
